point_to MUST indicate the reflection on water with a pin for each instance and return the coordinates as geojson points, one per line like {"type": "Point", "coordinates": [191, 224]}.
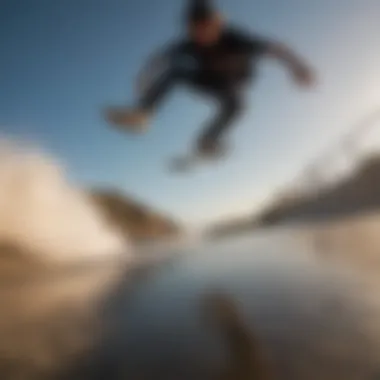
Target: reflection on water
{"type": "Point", "coordinates": [314, 320]}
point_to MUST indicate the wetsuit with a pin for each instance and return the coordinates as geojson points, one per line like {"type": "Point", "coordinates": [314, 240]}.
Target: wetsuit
{"type": "Point", "coordinates": [220, 70]}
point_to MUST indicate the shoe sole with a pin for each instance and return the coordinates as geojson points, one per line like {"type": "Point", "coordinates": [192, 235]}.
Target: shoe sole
{"type": "Point", "coordinates": [121, 120]}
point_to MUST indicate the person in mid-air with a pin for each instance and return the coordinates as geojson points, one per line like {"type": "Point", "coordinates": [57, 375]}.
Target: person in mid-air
{"type": "Point", "coordinates": [215, 58]}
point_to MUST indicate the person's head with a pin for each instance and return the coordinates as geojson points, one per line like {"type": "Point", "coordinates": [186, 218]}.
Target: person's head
{"type": "Point", "coordinates": [204, 23]}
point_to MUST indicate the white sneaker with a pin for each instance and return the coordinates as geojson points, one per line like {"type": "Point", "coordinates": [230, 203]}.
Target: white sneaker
{"type": "Point", "coordinates": [181, 164]}
{"type": "Point", "coordinates": [131, 119]}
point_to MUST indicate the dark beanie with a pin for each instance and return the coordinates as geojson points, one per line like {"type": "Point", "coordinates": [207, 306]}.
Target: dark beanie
{"type": "Point", "coordinates": [199, 10]}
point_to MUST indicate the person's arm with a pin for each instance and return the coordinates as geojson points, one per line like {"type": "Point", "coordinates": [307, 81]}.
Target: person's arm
{"type": "Point", "coordinates": [259, 46]}
{"type": "Point", "coordinates": [302, 72]}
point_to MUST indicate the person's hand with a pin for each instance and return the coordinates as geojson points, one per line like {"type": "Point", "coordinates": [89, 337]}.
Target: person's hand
{"type": "Point", "coordinates": [304, 76]}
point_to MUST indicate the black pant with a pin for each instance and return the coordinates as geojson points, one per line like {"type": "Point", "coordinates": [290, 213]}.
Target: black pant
{"type": "Point", "coordinates": [227, 94]}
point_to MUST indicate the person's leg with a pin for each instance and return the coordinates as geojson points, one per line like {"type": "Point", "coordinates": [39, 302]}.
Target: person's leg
{"type": "Point", "coordinates": [153, 96]}
{"type": "Point", "coordinates": [230, 103]}
{"type": "Point", "coordinates": [139, 115]}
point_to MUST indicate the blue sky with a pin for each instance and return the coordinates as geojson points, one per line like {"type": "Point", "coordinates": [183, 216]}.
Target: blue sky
{"type": "Point", "coordinates": [62, 60]}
